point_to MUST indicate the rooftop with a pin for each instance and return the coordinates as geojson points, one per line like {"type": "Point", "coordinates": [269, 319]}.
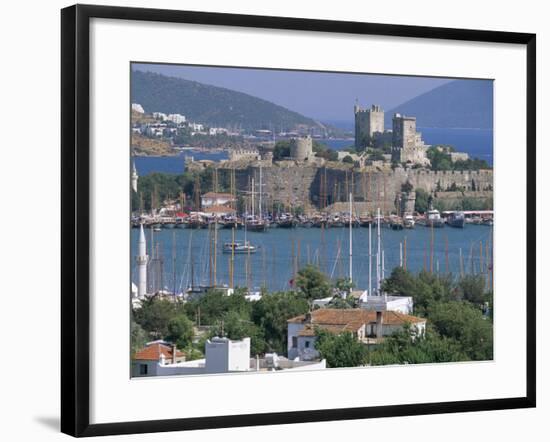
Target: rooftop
{"type": "Point", "coordinates": [339, 320]}
{"type": "Point", "coordinates": [153, 350]}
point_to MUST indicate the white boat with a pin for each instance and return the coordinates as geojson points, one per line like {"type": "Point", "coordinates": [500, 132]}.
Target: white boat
{"type": "Point", "coordinates": [408, 221]}
{"type": "Point", "coordinates": [239, 247]}
{"type": "Point", "coordinates": [434, 219]}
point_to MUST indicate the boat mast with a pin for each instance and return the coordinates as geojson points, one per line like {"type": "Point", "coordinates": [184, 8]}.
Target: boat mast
{"type": "Point", "coordinates": [252, 195]}
{"type": "Point", "coordinates": [370, 260]}
{"type": "Point", "coordinates": [260, 196]}
{"type": "Point", "coordinates": [232, 266]}
{"type": "Point", "coordinates": [378, 269]}
{"type": "Point", "coordinates": [350, 241]}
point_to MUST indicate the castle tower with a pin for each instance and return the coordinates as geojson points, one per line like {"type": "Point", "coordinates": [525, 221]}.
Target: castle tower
{"type": "Point", "coordinates": [368, 124]}
{"type": "Point", "coordinates": [407, 143]}
{"type": "Point", "coordinates": [134, 177]}
{"type": "Point", "coordinates": [404, 131]}
{"type": "Point", "coordinates": [301, 149]}
{"type": "Point", "coordinates": [141, 260]}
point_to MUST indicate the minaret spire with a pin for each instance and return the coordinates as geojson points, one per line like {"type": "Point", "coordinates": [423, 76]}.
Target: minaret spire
{"type": "Point", "coordinates": [141, 260]}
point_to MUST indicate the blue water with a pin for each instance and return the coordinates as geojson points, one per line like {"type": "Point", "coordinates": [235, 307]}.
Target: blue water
{"type": "Point", "coordinates": [173, 165]}
{"type": "Point", "coordinates": [477, 143]}
{"type": "Point", "coordinates": [272, 265]}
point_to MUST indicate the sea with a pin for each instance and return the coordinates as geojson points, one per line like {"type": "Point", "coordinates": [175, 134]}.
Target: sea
{"type": "Point", "coordinates": [478, 143]}
{"type": "Point", "coordinates": [184, 255]}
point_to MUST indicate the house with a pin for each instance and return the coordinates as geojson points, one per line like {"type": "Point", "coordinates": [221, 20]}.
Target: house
{"type": "Point", "coordinates": [216, 199]}
{"type": "Point", "coordinates": [222, 355]}
{"type": "Point", "coordinates": [362, 323]}
{"type": "Point", "coordinates": [147, 361]}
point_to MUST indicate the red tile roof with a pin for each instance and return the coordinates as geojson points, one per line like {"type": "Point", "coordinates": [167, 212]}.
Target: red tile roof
{"type": "Point", "coordinates": [339, 320]}
{"type": "Point", "coordinates": [152, 352]}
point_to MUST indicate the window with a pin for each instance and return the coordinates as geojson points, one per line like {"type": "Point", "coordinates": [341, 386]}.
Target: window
{"type": "Point", "coordinates": [142, 369]}
{"type": "Point", "coordinates": [294, 341]}
{"type": "Point", "coordinates": [307, 344]}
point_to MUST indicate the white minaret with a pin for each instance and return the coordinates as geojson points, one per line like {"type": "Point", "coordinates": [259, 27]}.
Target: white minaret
{"type": "Point", "coordinates": [134, 177]}
{"type": "Point", "coordinates": [141, 260]}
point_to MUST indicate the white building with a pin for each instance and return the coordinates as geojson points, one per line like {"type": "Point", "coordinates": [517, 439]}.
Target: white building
{"type": "Point", "coordinates": [151, 359]}
{"type": "Point", "coordinates": [160, 116]}
{"type": "Point", "coordinates": [217, 130]}
{"type": "Point", "coordinates": [459, 156]}
{"type": "Point", "coordinates": [401, 304]}
{"type": "Point", "coordinates": [222, 355]}
{"type": "Point", "coordinates": [176, 118]}
{"type": "Point", "coordinates": [364, 324]}
{"type": "Point", "coordinates": [138, 108]}
{"type": "Point", "coordinates": [197, 127]}
{"type": "Point", "coordinates": [216, 199]}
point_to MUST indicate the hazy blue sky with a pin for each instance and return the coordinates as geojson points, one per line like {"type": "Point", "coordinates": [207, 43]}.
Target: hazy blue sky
{"type": "Point", "coordinates": [324, 96]}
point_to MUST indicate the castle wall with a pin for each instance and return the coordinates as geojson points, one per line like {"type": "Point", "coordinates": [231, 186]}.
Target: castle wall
{"type": "Point", "coordinates": [314, 187]}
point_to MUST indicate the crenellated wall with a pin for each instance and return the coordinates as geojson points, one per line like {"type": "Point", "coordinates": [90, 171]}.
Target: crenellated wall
{"type": "Point", "coordinates": [314, 187]}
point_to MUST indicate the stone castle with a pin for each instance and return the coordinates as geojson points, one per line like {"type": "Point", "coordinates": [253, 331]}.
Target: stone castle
{"type": "Point", "coordinates": [313, 183]}
{"type": "Point", "coordinates": [407, 145]}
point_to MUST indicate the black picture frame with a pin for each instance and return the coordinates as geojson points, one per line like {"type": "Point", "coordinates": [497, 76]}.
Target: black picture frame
{"type": "Point", "coordinates": [75, 212]}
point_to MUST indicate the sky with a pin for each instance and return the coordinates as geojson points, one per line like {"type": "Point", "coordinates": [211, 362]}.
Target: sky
{"type": "Point", "coordinates": [323, 96]}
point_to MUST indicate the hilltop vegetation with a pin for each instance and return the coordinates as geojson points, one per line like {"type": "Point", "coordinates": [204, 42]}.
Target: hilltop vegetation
{"type": "Point", "coordinates": [211, 105]}
{"type": "Point", "coordinates": [143, 146]}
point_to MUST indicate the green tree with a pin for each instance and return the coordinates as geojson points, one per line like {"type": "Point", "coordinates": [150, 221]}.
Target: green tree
{"type": "Point", "coordinates": [340, 350]}
{"type": "Point", "coordinates": [155, 314]}
{"type": "Point", "coordinates": [180, 331]}
{"type": "Point", "coordinates": [422, 202]}
{"type": "Point", "coordinates": [464, 323]}
{"type": "Point", "coordinates": [138, 337]}
{"type": "Point", "coordinates": [213, 305]}
{"type": "Point", "coordinates": [313, 283]}
{"type": "Point", "coordinates": [405, 347]}
{"type": "Point", "coordinates": [472, 288]}
{"type": "Point", "coordinates": [236, 326]}
{"type": "Point", "coordinates": [281, 150]}
{"type": "Point", "coordinates": [271, 314]}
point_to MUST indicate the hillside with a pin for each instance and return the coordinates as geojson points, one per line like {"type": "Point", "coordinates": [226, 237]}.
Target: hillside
{"type": "Point", "coordinates": [458, 104]}
{"type": "Point", "coordinates": [211, 105]}
{"type": "Point", "coordinates": [142, 146]}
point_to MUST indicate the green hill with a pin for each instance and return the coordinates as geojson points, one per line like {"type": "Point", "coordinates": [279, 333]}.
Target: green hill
{"type": "Point", "coordinates": [211, 105]}
{"type": "Point", "coordinates": [458, 104]}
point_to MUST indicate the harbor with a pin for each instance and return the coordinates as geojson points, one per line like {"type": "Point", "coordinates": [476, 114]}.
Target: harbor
{"type": "Point", "coordinates": [183, 258]}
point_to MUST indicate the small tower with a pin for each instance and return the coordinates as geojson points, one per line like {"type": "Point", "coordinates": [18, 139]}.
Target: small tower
{"type": "Point", "coordinates": [141, 260]}
{"type": "Point", "coordinates": [134, 177]}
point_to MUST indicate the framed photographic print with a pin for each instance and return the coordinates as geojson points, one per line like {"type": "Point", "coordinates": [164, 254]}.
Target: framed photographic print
{"type": "Point", "coordinates": [272, 220]}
